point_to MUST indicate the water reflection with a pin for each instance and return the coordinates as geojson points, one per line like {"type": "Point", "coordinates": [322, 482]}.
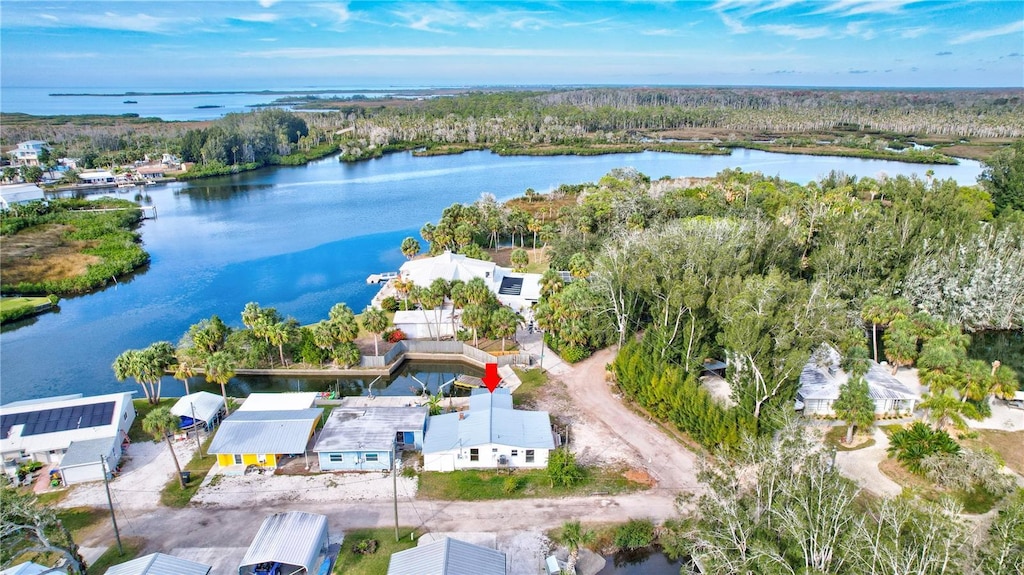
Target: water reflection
{"type": "Point", "coordinates": [644, 561]}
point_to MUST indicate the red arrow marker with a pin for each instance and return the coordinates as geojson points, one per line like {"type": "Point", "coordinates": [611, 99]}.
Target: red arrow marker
{"type": "Point", "coordinates": [491, 378]}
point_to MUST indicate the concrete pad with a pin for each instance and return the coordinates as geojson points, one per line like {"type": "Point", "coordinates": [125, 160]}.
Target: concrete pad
{"type": "Point", "coordinates": [489, 540]}
{"type": "Point", "coordinates": [222, 560]}
{"type": "Point", "coordinates": [91, 554]}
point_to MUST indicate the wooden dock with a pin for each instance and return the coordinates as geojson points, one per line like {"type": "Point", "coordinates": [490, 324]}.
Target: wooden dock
{"type": "Point", "coordinates": [381, 277]}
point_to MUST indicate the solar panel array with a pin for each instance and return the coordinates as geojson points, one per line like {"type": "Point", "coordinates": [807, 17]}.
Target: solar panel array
{"type": "Point", "coordinates": [511, 286]}
{"type": "Point", "coordinates": [58, 419]}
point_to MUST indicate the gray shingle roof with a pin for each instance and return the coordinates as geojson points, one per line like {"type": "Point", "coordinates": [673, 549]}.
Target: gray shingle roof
{"type": "Point", "coordinates": [354, 428]}
{"type": "Point", "coordinates": [822, 377]}
{"type": "Point", "coordinates": [88, 451]}
{"type": "Point", "coordinates": [159, 564]}
{"type": "Point", "coordinates": [448, 557]}
{"type": "Point", "coordinates": [266, 431]}
{"type": "Point", "coordinates": [292, 538]}
{"type": "Point", "coordinates": [490, 419]}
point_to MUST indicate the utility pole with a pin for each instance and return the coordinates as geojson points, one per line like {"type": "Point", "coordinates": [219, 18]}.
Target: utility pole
{"type": "Point", "coordinates": [199, 446]}
{"type": "Point", "coordinates": [110, 503]}
{"type": "Point", "coordinates": [394, 480]}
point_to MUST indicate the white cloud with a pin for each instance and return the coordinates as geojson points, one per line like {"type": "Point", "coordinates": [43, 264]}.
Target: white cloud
{"type": "Point", "coordinates": [911, 33]}
{"type": "Point", "coordinates": [858, 7]}
{"type": "Point", "coordinates": [266, 18]}
{"type": "Point", "coordinates": [798, 32]}
{"type": "Point", "coordinates": [734, 25]}
{"type": "Point", "coordinates": [137, 23]}
{"type": "Point", "coordinates": [268, 3]}
{"type": "Point", "coordinates": [1011, 28]}
{"type": "Point", "coordinates": [660, 32]}
{"type": "Point", "coordinates": [340, 12]}
{"type": "Point", "coordinates": [50, 17]}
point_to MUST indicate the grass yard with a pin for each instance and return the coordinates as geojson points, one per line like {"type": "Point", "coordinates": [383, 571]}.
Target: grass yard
{"type": "Point", "coordinates": [351, 563]}
{"type": "Point", "coordinates": [1006, 443]}
{"type": "Point", "coordinates": [484, 485]}
{"type": "Point", "coordinates": [131, 546]}
{"type": "Point", "coordinates": [532, 381]}
{"type": "Point", "coordinates": [142, 409]}
{"type": "Point", "coordinates": [173, 495]}
{"type": "Point", "coordinates": [76, 519]}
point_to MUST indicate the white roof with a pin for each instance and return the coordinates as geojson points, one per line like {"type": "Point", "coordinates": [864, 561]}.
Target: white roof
{"type": "Point", "coordinates": [19, 193]}
{"type": "Point", "coordinates": [29, 568]}
{"type": "Point", "coordinates": [278, 401]}
{"type": "Point", "coordinates": [418, 317]}
{"type": "Point", "coordinates": [88, 452]}
{"type": "Point", "coordinates": [95, 174]}
{"type": "Point", "coordinates": [159, 564]}
{"type": "Point", "coordinates": [448, 266]}
{"type": "Point", "coordinates": [448, 557]}
{"type": "Point", "coordinates": [201, 405]}
{"type": "Point", "coordinates": [822, 377]}
{"type": "Point", "coordinates": [279, 432]}
{"type": "Point", "coordinates": [490, 420]}
{"type": "Point", "coordinates": [293, 538]}
{"type": "Point", "coordinates": [53, 423]}
{"type": "Point", "coordinates": [368, 428]}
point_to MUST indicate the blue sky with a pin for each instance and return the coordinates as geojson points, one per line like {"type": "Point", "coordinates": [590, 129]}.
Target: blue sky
{"type": "Point", "coordinates": [291, 44]}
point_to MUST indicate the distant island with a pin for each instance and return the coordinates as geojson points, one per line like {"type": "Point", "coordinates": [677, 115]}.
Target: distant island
{"type": "Point", "coordinates": [208, 106]}
{"type": "Point", "coordinates": [131, 102]}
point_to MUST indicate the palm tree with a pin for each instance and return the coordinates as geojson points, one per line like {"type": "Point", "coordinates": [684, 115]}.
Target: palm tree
{"type": "Point", "coordinates": [520, 259]}
{"type": "Point", "coordinates": [375, 321]}
{"type": "Point", "coordinates": [220, 368]}
{"type": "Point", "coordinates": [503, 324]}
{"type": "Point", "coordinates": [278, 334]}
{"type": "Point", "coordinates": [410, 247]}
{"type": "Point", "coordinates": [186, 367]}
{"type": "Point", "coordinates": [874, 312]}
{"type": "Point", "coordinates": [945, 409]}
{"type": "Point", "coordinates": [550, 283]}
{"type": "Point", "coordinates": [324, 334]}
{"type": "Point", "coordinates": [344, 321]}
{"type": "Point", "coordinates": [1003, 381]}
{"type": "Point", "coordinates": [939, 364]}
{"type": "Point", "coordinates": [147, 366]}
{"type": "Point", "coordinates": [855, 406]}
{"type": "Point", "coordinates": [900, 343]}
{"type": "Point", "coordinates": [575, 536]}
{"type": "Point", "coordinates": [475, 316]}
{"type": "Point", "coordinates": [161, 423]}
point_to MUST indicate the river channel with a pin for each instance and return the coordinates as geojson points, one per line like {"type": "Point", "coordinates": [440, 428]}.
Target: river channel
{"type": "Point", "coordinates": [301, 239]}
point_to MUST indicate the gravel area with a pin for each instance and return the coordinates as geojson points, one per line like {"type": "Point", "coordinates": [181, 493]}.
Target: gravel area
{"type": "Point", "coordinates": [243, 490]}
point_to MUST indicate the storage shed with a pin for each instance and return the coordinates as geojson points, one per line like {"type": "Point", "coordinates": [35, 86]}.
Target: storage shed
{"type": "Point", "coordinates": [159, 564]}
{"type": "Point", "coordinates": [293, 543]}
{"type": "Point", "coordinates": [83, 460]}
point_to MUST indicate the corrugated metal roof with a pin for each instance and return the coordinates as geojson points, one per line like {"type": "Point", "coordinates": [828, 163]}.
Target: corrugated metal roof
{"type": "Point", "coordinates": [88, 451]}
{"type": "Point", "coordinates": [490, 419]}
{"type": "Point", "coordinates": [822, 377]}
{"type": "Point", "coordinates": [353, 428]}
{"type": "Point", "coordinates": [265, 431]}
{"type": "Point", "coordinates": [205, 404]}
{"type": "Point", "coordinates": [448, 557]}
{"type": "Point", "coordinates": [159, 564]}
{"type": "Point", "coordinates": [293, 537]}
{"type": "Point", "coordinates": [30, 568]}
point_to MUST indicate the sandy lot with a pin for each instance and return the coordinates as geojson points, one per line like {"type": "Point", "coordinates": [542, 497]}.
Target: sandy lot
{"type": "Point", "coordinates": [231, 491]}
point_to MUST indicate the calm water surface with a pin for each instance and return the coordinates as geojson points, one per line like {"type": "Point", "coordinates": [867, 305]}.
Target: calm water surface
{"type": "Point", "coordinates": [304, 238]}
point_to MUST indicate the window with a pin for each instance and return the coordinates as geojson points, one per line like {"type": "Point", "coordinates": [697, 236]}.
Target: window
{"type": "Point", "coordinates": [494, 450]}
{"type": "Point", "coordinates": [371, 457]}
{"type": "Point", "coordinates": [529, 456]}
{"type": "Point", "coordinates": [400, 438]}
{"type": "Point", "coordinates": [335, 458]}
{"type": "Point", "coordinates": [515, 453]}
{"type": "Point", "coordinates": [261, 458]}
{"type": "Point", "coordinates": [126, 416]}
{"type": "Point", "coordinates": [238, 459]}
{"type": "Point", "coordinates": [474, 454]}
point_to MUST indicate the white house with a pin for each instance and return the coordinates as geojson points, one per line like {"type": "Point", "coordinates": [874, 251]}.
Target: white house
{"type": "Point", "coordinates": [97, 177]}
{"type": "Point", "coordinates": [14, 194]}
{"type": "Point", "coordinates": [362, 438]}
{"type": "Point", "coordinates": [27, 153]}
{"type": "Point", "coordinates": [822, 377]}
{"type": "Point", "coordinates": [80, 428]}
{"type": "Point", "coordinates": [518, 291]}
{"type": "Point", "coordinates": [427, 324]}
{"type": "Point", "coordinates": [489, 435]}
{"type": "Point", "coordinates": [295, 541]}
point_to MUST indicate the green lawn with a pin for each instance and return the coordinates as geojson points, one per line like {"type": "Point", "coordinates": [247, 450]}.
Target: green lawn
{"type": "Point", "coordinates": [481, 485]}
{"type": "Point", "coordinates": [8, 303]}
{"type": "Point", "coordinates": [836, 435]}
{"type": "Point", "coordinates": [532, 380]}
{"type": "Point", "coordinates": [76, 519]}
{"type": "Point", "coordinates": [131, 546]}
{"type": "Point", "coordinates": [351, 563]}
{"type": "Point", "coordinates": [142, 409]}
{"type": "Point", "coordinates": [173, 495]}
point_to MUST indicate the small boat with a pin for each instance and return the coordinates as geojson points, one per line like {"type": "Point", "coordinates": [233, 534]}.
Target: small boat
{"type": "Point", "coordinates": [131, 102]}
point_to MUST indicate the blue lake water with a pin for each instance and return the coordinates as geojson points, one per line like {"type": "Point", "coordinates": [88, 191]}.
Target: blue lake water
{"type": "Point", "coordinates": [301, 239]}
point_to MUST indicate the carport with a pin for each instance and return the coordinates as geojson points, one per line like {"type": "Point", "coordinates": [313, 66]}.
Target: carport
{"type": "Point", "coordinates": [291, 543]}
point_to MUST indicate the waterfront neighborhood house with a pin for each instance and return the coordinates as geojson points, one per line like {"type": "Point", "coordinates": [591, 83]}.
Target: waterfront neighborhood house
{"type": "Point", "coordinates": [27, 153]}
{"type": "Point", "coordinates": [491, 434]}
{"type": "Point", "coordinates": [363, 438]}
{"type": "Point", "coordinates": [822, 378]}
{"type": "Point", "coordinates": [159, 564]}
{"type": "Point", "coordinates": [448, 557]}
{"type": "Point", "coordinates": [69, 431]}
{"type": "Point", "coordinates": [291, 543]}
{"type": "Point", "coordinates": [262, 437]}
{"type": "Point", "coordinates": [202, 409]}
{"type": "Point", "coordinates": [516, 290]}
{"type": "Point", "coordinates": [16, 194]}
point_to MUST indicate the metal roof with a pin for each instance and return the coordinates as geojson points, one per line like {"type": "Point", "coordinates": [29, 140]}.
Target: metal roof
{"type": "Point", "coordinates": [278, 401]}
{"type": "Point", "coordinates": [206, 406]}
{"type": "Point", "coordinates": [293, 538]}
{"type": "Point", "coordinates": [490, 419]}
{"type": "Point", "coordinates": [448, 557]}
{"type": "Point", "coordinates": [159, 564]}
{"type": "Point", "coordinates": [30, 568]}
{"type": "Point", "coordinates": [822, 377]}
{"type": "Point", "coordinates": [358, 428]}
{"type": "Point", "coordinates": [88, 451]}
{"type": "Point", "coordinates": [266, 431]}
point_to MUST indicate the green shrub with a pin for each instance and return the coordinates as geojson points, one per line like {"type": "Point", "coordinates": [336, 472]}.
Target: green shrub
{"type": "Point", "coordinates": [511, 485]}
{"type": "Point", "coordinates": [573, 353]}
{"type": "Point", "coordinates": [365, 547]}
{"type": "Point", "coordinates": [635, 534]}
{"type": "Point", "coordinates": [563, 469]}
{"type": "Point", "coordinates": [912, 445]}
{"type": "Point", "coordinates": [389, 304]}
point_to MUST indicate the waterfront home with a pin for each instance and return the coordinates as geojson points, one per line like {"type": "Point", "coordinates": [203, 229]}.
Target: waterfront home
{"type": "Point", "coordinates": [97, 177]}
{"type": "Point", "coordinates": [822, 377]}
{"type": "Point", "coordinates": [159, 564]}
{"type": "Point", "coordinates": [491, 434]}
{"type": "Point", "coordinates": [518, 291]}
{"type": "Point", "coordinates": [200, 408]}
{"type": "Point", "coordinates": [429, 324]}
{"type": "Point", "coordinates": [263, 438]}
{"type": "Point", "coordinates": [294, 542]}
{"type": "Point", "coordinates": [50, 429]}
{"type": "Point", "coordinates": [27, 153]}
{"type": "Point", "coordinates": [448, 557]}
{"type": "Point", "coordinates": [362, 438]}
{"type": "Point", "coordinates": [152, 171]}
{"type": "Point", "coordinates": [279, 401]}
{"type": "Point", "coordinates": [17, 194]}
